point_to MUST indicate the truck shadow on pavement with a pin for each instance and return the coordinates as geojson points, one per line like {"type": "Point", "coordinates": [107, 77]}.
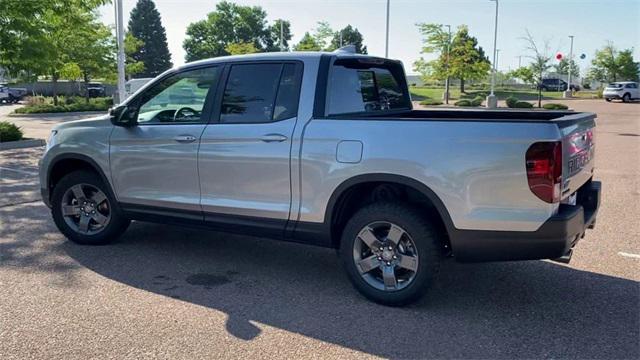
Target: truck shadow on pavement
{"type": "Point", "coordinates": [502, 310]}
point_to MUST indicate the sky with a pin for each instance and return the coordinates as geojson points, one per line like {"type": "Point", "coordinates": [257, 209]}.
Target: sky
{"type": "Point", "coordinates": [592, 22]}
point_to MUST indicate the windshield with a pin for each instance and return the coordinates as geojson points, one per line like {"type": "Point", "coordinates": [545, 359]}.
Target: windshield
{"type": "Point", "coordinates": [366, 86]}
{"type": "Point", "coordinates": [614, 85]}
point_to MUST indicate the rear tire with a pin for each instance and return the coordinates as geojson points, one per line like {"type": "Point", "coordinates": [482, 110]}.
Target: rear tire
{"type": "Point", "coordinates": [84, 210]}
{"type": "Point", "coordinates": [626, 97]}
{"type": "Point", "coordinates": [406, 266]}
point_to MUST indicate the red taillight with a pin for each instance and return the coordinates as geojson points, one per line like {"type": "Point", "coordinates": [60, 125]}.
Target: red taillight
{"type": "Point", "coordinates": [544, 170]}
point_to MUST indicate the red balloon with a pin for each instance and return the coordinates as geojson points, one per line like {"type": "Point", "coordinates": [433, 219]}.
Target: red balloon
{"type": "Point", "coordinates": [559, 56]}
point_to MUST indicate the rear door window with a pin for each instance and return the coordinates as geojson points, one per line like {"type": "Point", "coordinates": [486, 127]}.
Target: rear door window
{"type": "Point", "coordinates": [360, 87]}
{"type": "Point", "coordinates": [260, 93]}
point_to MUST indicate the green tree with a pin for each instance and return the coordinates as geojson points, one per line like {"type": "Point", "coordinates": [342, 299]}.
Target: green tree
{"type": "Point", "coordinates": [523, 73]}
{"type": "Point", "coordinates": [323, 34]}
{"type": "Point", "coordinates": [464, 60]}
{"type": "Point", "coordinates": [145, 24]}
{"type": "Point", "coordinates": [228, 24]}
{"type": "Point", "coordinates": [63, 40]}
{"type": "Point", "coordinates": [32, 35]}
{"type": "Point", "coordinates": [132, 66]}
{"type": "Point", "coordinates": [274, 35]}
{"type": "Point", "coordinates": [349, 36]}
{"type": "Point", "coordinates": [93, 51]}
{"type": "Point", "coordinates": [562, 68]}
{"type": "Point", "coordinates": [611, 65]}
{"type": "Point", "coordinates": [307, 43]}
{"type": "Point", "coordinates": [467, 60]}
{"type": "Point", "coordinates": [435, 42]}
{"type": "Point", "coordinates": [241, 48]}
{"type": "Point", "coordinates": [541, 57]}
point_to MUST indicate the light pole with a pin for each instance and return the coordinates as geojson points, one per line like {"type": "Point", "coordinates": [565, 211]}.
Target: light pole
{"type": "Point", "coordinates": [446, 86]}
{"type": "Point", "coordinates": [386, 44]}
{"type": "Point", "coordinates": [567, 93]}
{"type": "Point", "coordinates": [281, 35]}
{"type": "Point", "coordinates": [492, 101]}
{"type": "Point", "coordinates": [120, 40]}
{"type": "Point", "coordinates": [497, 67]}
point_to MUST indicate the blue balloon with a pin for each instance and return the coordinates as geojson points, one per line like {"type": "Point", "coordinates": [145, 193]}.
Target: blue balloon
{"type": "Point", "coordinates": [583, 56]}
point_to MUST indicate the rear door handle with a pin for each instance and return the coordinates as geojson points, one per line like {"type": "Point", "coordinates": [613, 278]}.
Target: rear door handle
{"type": "Point", "coordinates": [185, 138]}
{"type": "Point", "coordinates": [273, 138]}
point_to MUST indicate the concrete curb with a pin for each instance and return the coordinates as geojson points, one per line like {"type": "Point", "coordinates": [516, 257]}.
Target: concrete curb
{"type": "Point", "coordinates": [22, 144]}
{"type": "Point", "coordinates": [58, 114]}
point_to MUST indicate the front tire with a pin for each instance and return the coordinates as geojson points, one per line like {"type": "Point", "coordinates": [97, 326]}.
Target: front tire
{"type": "Point", "coordinates": [391, 253]}
{"type": "Point", "coordinates": [84, 210]}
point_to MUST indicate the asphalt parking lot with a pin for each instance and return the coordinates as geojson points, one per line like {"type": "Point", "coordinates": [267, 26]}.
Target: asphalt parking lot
{"type": "Point", "coordinates": [179, 293]}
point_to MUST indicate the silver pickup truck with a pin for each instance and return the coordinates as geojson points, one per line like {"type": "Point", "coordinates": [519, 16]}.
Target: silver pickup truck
{"type": "Point", "coordinates": [326, 149]}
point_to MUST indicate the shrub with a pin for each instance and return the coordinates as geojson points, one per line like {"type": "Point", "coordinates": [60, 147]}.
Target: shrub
{"type": "Point", "coordinates": [463, 102]}
{"type": "Point", "coordinates": [477, 101]}
{"type": "Point", "coordinates": [37, 100]}
{"type": "Point", "coordinates": [511, 101]}
{"type": "Point", "coordinates": [9, 132]}
{"type": "Point", "coordinates": [522, 105]}
{"type": "Point", "coordinates": [430, 102]}
{"type": "Point", "coordinates": [66, 104]}
{"type": "Point", "coordinates": [555, 106]}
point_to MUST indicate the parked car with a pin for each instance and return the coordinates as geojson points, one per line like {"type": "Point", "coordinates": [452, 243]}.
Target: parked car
{"type": "Point", "coordinates": [4, 94]}
{"type": "Point", "coordinates": [556, 85]}
{"type": "Point", "coordinates": [325, 149]}
{"type": "Point", "coordinates": [11, 95]}
{"type": "Point", "coordinates": [94, 90]}
{"type": "Point", "coordinates": [624, 90]}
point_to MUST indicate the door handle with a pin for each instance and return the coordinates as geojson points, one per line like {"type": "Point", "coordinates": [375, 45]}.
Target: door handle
{"type": "Point", "coordinates": [185, 138]}
{"type": "Point", "coordinates": [273, 138]}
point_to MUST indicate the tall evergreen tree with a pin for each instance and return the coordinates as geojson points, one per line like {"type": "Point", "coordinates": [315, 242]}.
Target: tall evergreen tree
{"type": "Point", "coordinates": [146, 26]}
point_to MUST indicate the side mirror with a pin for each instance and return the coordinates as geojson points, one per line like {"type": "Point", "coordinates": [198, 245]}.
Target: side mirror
{"type": "Point", "coordinates": [119, 116]}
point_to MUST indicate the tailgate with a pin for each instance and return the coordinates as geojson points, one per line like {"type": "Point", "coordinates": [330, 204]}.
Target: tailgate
{"type": "Point", "coordinates": [578, 145]}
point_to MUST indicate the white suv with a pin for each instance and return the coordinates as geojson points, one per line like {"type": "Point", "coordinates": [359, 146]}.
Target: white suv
{"type": "Point", "coordinates": [625, 90]}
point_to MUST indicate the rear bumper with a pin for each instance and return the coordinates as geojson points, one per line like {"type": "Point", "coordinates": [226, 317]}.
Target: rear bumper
{"type": "Point", "coordinates": [555, 238]}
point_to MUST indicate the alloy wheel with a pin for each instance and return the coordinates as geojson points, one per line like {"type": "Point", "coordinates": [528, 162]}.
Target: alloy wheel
{"type": "Point", "coordinates": [85, 209]}
{"type": "Point", "coordinates": [386, 256]}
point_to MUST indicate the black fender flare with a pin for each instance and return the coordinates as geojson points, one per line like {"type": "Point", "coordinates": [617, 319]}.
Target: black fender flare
{"type": "Point", "coordinates": [391, 178]}
{"type": "Point", "coordinates": [71, 156]}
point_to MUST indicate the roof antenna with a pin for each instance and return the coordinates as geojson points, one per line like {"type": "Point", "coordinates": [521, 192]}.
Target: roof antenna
{"type": "Point", "coordinates": [351, 49]}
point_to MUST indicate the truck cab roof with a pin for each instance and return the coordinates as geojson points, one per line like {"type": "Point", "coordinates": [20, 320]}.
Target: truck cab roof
{"type": "Point", "coordinates": [296, 55]}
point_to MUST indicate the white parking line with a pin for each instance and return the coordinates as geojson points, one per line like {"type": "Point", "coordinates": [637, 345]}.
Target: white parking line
{"type": "Point", "coordinates": [633, 256]}
{"type": "Point", "coordinates": [19, 171]}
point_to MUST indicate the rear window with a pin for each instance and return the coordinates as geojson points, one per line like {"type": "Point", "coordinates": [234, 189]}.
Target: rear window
{"type": "Point", "coordinates": [360, 87]}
